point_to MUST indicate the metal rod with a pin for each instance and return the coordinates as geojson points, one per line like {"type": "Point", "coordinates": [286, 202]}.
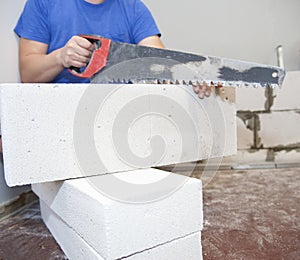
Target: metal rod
{"type": "Point", "coordinates": [279, 50]}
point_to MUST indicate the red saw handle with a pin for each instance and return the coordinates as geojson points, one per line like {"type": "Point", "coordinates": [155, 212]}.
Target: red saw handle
{"type": "Point", "coordinates": [98, 59]}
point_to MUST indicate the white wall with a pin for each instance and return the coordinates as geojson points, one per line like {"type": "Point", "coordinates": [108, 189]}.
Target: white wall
{"type": "Point", "coordinates": [9, 13]}
{"type": "Point", "coordinates": [248, 30]}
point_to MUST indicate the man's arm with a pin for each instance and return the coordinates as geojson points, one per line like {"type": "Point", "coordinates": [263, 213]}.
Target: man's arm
{"type": "Point", "coordinates": [38, 66]}
{"type": "Point", "coordinates": [152, 41]}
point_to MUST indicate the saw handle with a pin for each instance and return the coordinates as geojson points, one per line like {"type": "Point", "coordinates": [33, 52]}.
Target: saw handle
{"type": "Point", "coordinates": [98, 59]}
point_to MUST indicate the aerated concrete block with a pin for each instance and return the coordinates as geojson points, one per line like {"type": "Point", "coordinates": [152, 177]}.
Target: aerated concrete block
{"type": "Point", "coordinates": [247, 157]}
{"type": "Point", "coordinates": [120, 214]}
{"type": "Point", "coordinates": [75, 247]}
{"type": "Point", "coordinates": [251, 99]}
{"type": "Point", "coordinates": [63, 131]}
{"type": "Point", "coordinates": [245, 136]}
{"type": "Point", "coordinates": [70, 242]}
{"type": "Point", "coordinates": [280, 129]}
{"type": "Point", "coordinates": [287, 97]}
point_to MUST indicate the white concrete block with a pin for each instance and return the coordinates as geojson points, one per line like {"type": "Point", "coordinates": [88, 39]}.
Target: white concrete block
{"type": "Point", "coordinates": [55, 132]}
{"type": "Point", "coordinates": [250, 99]}
{"type": "Point", "coordinates": [247, 157]}
{"type": "Point", "coordinates": [155, 207]}
{"type": "Point", "coordinates": [245, 136]}
{"type": "Point", "coordinates": [292, 156]}
{"type": "Point", "coordinates": [71, 243]}
{"type": "Point", "coordinates": [258, 157]}
{"type": "Point", "coordinates": [279, 129]}
{"type": "Point", "coordinates": [287, 98]}
{"type": "Point", "coordinates": [75, 247]}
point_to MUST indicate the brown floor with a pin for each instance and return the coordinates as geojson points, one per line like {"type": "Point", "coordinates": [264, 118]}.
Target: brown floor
{"type": "Point", "coordinates": [253, 214]}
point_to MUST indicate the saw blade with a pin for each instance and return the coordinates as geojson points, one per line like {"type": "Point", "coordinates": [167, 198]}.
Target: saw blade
{"type": "Point", "coordinates": [129, 63]}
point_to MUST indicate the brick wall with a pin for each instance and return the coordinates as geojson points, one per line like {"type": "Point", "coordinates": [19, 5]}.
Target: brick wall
{"type": "Point", "coordinates": [268, 123]}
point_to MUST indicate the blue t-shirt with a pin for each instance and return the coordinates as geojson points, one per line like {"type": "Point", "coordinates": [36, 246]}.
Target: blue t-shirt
{"type": "Point", "coordinates": [54, 22]}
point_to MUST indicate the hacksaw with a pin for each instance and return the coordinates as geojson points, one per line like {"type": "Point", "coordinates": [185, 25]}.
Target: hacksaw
{"type": "Point", "coordinates": [116, 62]}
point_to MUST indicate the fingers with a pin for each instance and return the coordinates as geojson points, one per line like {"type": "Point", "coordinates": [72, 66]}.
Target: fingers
{"type": "Point", "coordinates": [202, 90]}
{"type": "Point", "coordinates": [76, 52]}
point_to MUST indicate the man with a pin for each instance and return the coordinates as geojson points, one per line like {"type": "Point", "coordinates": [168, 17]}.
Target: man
{"type": "Point", "coordinates": [49, 41]}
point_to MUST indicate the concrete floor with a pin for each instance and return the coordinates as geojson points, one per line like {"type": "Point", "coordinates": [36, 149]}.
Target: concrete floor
{"type": "Point", "coordinates": [251, 214]}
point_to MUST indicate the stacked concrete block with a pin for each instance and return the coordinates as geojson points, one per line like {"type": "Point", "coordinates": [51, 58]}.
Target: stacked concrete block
{"type": "Point", "coordinates": [287, 97]}
{"type": "Point", "coordinates": [137, 226]}
{"type": "Point", "coordinates": [286, 110]}
{"type": "Point", "coordinates": [88, 150]}
{"type": "Point", "coordinates": [268, 124]}
{"type": "Point", "coordinates": [75, 247]}
{"type": "Point", "coordinates": [250, 98]}
{"type": "Point", "coordinates": [244, 134]}
{"type": "Point", "coordinates": [280, 129]}
{"type": "Point", "coordinates": [70, 131]}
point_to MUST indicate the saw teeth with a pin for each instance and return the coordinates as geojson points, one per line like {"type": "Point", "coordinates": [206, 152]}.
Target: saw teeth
{"type": "Point", "coordinates": [219, 85]}
{"type": "Point", "coordinates": [238, 84]}
{"type": "Point", "coordinates": [215, 83]}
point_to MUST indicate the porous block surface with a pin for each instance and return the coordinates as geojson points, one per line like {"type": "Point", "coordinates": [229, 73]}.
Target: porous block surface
{"type": "Point", "coordinates": [151, 212]}
{"type": "Point", "coordinates": [61, 131]}
{"type": "Point", "coordinates": [75, 247]}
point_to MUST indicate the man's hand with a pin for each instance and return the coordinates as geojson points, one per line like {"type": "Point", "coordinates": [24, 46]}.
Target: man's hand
{"type": "Point", "coordinates": [202, 89]}
{"type": "Point", "coordinates": [36, 65]}
{"type": "Point", "coordinates": [76, 52]}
